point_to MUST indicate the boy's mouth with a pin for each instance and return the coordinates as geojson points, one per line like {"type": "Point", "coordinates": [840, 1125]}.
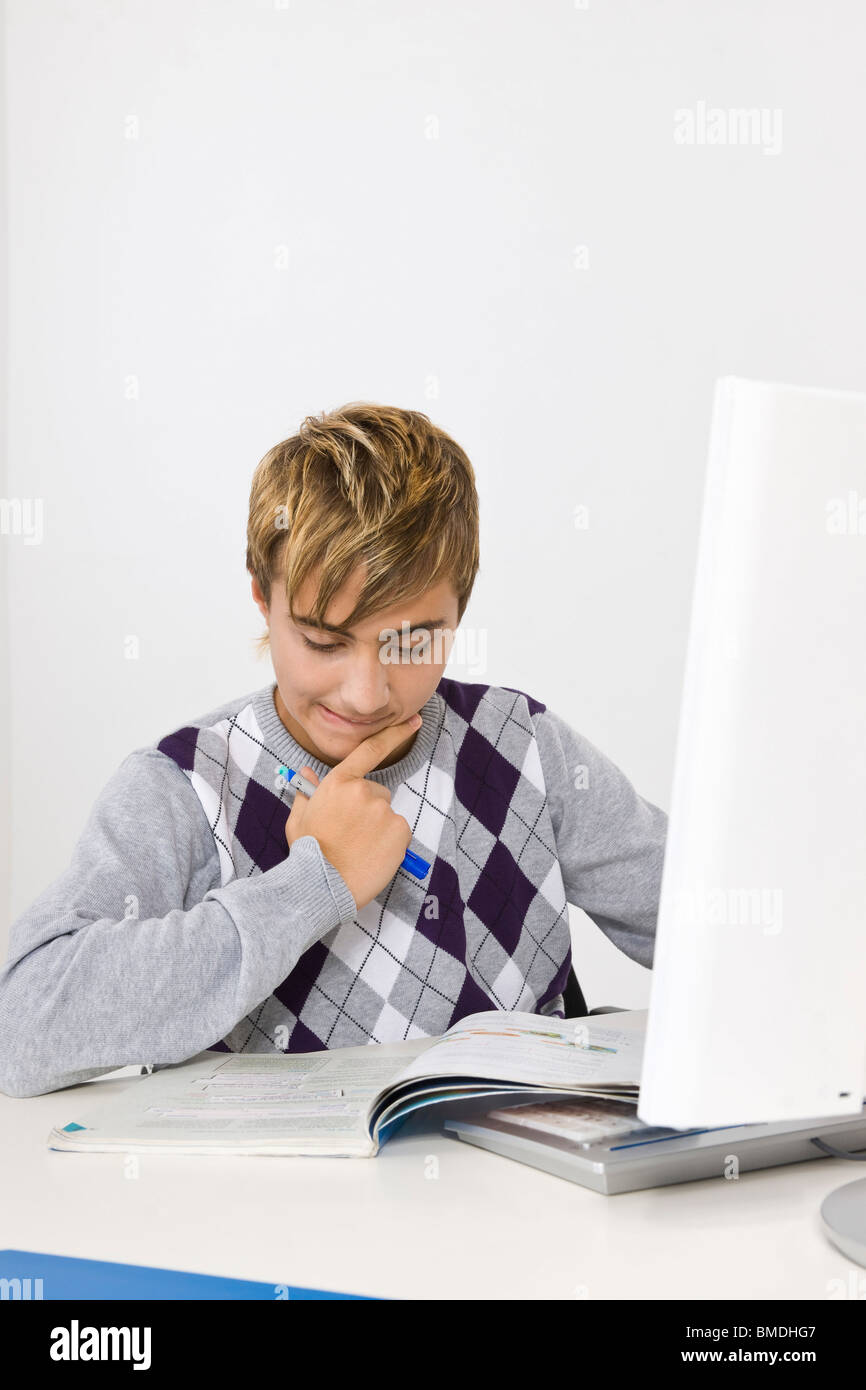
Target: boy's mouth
{"type": "Point", "coordinates": [339, 719]}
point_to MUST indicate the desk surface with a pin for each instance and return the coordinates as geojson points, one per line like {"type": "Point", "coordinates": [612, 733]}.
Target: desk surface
{"type": "Point", "coordinates": [429, 1217]}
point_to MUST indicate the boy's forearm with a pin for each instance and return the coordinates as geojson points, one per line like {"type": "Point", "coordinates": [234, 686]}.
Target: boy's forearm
{"type": "Point", "coordinates": [99, 995]}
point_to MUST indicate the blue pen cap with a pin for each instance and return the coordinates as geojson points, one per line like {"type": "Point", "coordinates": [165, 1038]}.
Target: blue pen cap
{"type": "Point", "coordinates": [415, 864]}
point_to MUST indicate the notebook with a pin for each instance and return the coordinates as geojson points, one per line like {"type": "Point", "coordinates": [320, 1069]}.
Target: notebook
{"type": "Point", "coordinates": [33, 1275]}
{"type": "Point", "coordinates": [347, 1102]}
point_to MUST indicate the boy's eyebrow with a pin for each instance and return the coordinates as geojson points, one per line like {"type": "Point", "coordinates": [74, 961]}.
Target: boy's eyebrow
{"type": "Point", "coordinates": [309, 621]}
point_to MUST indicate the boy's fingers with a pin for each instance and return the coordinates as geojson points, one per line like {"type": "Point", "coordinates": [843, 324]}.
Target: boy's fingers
{"type": "Point", "coordinates": [370, 753]}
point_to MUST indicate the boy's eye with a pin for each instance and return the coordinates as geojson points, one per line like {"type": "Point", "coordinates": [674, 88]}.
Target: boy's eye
{"type": "Point", "coordinates": [335, 646]}
{"type": "Point", "coordinates": [321, 647]}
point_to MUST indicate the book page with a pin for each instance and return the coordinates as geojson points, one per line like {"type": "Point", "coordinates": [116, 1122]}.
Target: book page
{"type": "Point", "coordinates": [302, 1102]}
{"type": "Point", "coordinates": [603, 1051]}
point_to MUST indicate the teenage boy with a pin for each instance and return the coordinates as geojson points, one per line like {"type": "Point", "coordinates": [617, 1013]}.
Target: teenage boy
{"type": "Point", "coordinates": [204, 907]}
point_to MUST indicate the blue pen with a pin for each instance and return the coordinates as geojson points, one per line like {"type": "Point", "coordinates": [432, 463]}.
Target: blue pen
{"type": "Point", "coordinates": [413, 863]}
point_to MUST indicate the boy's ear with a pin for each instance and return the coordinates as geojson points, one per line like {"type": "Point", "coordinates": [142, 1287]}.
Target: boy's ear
{"type": "Point", "coordinates": [259, 598]}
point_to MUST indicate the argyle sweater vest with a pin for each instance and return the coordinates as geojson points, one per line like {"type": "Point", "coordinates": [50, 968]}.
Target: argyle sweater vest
{"type": "Point", "coordinates": [487, 928]}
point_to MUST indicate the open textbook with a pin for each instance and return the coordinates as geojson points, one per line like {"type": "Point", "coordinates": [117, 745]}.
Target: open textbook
{"type": "Point", "coordinates": [346, 1102]}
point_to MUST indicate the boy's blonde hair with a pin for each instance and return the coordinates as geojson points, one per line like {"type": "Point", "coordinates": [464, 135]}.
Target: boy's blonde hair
{"type": "Point", "coordinates": [369, 484]}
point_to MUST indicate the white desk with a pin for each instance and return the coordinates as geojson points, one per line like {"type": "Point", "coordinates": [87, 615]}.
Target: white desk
{"type": "Point", "coordinates": [486, 1227]}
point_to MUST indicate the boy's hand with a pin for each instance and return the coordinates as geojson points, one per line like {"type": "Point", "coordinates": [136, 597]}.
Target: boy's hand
{"type": "Point", "coordinates": [352, 818]}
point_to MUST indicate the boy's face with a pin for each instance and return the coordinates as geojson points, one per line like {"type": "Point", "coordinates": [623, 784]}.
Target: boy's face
{"type": "Point", "coordinates": [365, 676]}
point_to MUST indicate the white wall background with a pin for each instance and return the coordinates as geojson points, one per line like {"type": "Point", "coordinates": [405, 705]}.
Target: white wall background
{"type": "Point", "coordinates": [227, 214]}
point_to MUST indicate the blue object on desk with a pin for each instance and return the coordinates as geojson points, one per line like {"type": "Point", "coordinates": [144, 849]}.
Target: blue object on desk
{"type": "Point", "coordinates": [65, 1277]}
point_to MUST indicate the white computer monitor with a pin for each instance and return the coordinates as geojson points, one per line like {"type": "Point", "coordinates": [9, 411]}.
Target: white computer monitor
{"type": "Point", "coordinates": [757, 1009]}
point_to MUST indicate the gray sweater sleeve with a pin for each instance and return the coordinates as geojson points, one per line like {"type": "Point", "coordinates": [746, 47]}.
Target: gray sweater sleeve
{"type": "Point", "coordinates": [135, 953]}
{"type": "Point", "coordinates": [610, 842]}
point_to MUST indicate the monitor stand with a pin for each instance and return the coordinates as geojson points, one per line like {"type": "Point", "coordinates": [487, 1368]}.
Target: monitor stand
{"type": "Point", "coordinates": [843, 1217]}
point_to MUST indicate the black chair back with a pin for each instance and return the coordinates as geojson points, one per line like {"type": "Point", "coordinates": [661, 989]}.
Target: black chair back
{"type": "Point", "coordinates": [575, 1004]}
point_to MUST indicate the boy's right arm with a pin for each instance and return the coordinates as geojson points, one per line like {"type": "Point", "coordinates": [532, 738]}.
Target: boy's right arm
{"type": "Point", "coordinates": [87, 989]}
